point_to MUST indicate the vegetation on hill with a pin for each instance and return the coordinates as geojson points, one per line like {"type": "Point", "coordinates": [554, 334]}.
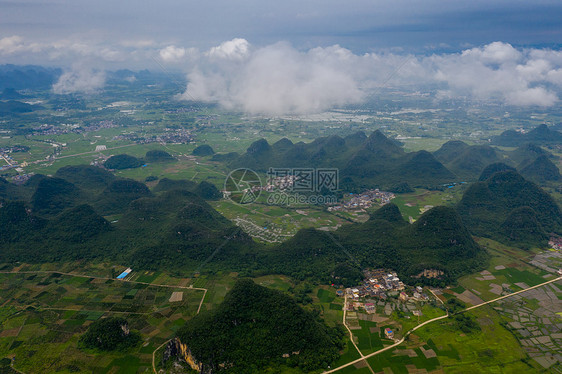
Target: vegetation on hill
{"type": "Point", "coordinates": [467, 162]}
{"type": "Point", "coordinates": [16, 107]}
{"type": "Point", "coordinates": [118, 195]}
{"type": "Point", "coordinates": [53, 195]}
{"type": "Point", "coordinates": [208, 191]}
{"type": "Point", "coordinates": [124, 161]}
{"type": "Point", "coordinates": [225, 157]}
{"type": "Point", "coordinates": [526, 153]}
{"type": "Point", "coordinates": [252, 330]}
{"type": "Point", "coordinates": [522, 226]}
{"type": "Point", "coordinates": [78, 224]}
{"type": "Point", "coordinates": [493, 169]}
{"type": "Point", "coordinates": [203, 150]}
{"type": "Point", "coordinates": [542, 134]}
{"type": "Point", "coordinates": [157, 155]}
{"type": "Point", "coordinates": [28, 76]}
{"type": "Point", "coordinates": [86, 176]}
{"type": "Point", "coordinates": [450, 150]}
{"type": "Point", "coordinates": [10, 94]}
{"type": "Point", "coordinates": [204, 189]}
{"type": "Point", "coordinates": [487, 206]}
{"type": "Point", "coordinates": [438, 240]}
{"type": "Point", "coordinates": [541, 170]}
{"type": "Point", "coordinates": [363, 162]}
{"type": "Point", "coordinates": [109, 334]}
{"type": "Point", "coordinates": [174, 228]}
{"type": "Point", "coordinates": [167, 184]}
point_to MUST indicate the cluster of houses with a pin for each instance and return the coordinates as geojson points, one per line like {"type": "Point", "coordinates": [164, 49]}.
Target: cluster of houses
{"type": "Point", "coordinates": [10, 162]}
{"type": "Point", "coordinates": [363, 201]}
{"type": "Point", "coordinates": [20, 179]}
{"type": "Point", "coordinates": [375, 284]}
{"type": "Point", "coordinates": [379, 284]}
{"type": "Point", "coordinates": [281, 183]}
{"type": "Point", "coordinates": [170, 136]}
{"type": "Point", "coordinates": [555, 242]}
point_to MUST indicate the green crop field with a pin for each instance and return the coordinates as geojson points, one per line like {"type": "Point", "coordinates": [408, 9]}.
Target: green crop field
{"type": "Point", "coordinates": [44, 314]}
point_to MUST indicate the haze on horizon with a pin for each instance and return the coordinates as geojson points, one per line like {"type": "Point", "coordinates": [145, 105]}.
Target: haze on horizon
{"type": "Point", "coordinates": [302, 57]}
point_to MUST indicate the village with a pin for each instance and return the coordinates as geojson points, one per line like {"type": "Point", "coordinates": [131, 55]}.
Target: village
{"type": "Point", "coordinates": [363, 201]}
{"type": "Point", "coordinates": [384, 289]}
{"type": "Point", "coordinates": [555, 242]}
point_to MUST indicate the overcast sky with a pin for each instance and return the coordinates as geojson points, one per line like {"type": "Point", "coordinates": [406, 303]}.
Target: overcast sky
{"type": "Point", "coordinates": [237, 52]}
{"type": "Point", "coordinates": [419, 26]}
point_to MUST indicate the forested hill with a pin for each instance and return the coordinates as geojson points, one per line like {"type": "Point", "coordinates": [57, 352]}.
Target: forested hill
{"type": "Point", "coordinates": [507, 207]}
{"type": "Point", "coordinates": [54, 219]}
{"type": "Point", "coordinates": [438, 240]}
{"type": "Point", "coordinates": [254, 328]}
{"type": "Point", "coordinates": [373, 161]}
{"type": "Point", "coordinates": [541, 135]}
{"type": "Point", "coordinates": [172, 227]}
{"type": "Point", "coordinates": [469, 161]}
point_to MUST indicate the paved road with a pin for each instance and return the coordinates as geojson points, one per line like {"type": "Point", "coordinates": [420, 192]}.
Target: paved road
{"type": "Point", "coordinates": [512, 294]}
{"type": "Point", "coordinates": [351, 335]}
{"type": "Point", "coordinates": [436, 319]}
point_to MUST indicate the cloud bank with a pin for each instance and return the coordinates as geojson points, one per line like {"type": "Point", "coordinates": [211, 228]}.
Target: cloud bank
{"type": "Point", "coordinates": [276, 79]}
{"type": "Point", "coordinates": [79, 80]}
{"type": "Point", "coordinates": [279, 79]}
{"type": "Point", "coordinates": [500, 72]}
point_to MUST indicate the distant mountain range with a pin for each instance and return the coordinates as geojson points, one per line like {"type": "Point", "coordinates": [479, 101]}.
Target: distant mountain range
{"type": "Point", "coordinates": [61, 218]}
{"type": "Point", "coordinates": [377, 161]}
{"type": "Point", "coordinates": [468, 161]}
{"type": "Point", "coordinates": [362, 161]}
{"type": "Point", "coordinates": [540, 135]}
{"type": "Point", "coordinates": [27, 77]}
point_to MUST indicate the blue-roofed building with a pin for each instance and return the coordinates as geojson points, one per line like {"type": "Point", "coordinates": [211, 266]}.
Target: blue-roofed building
{"type": "Point", "coordinates": [124, 274]}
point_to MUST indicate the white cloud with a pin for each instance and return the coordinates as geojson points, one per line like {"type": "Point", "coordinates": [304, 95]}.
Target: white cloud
{"type": "Point", "coordinates": [172, 53]}
{"type": "Point", "coordinates": [16, 44]}
{"type": "Point", "coordinates": [280, 79]}
{"type": "Point", "coordinates": [500, 72]}
{"type": "Point", "coordinates": [79, 80]}
{"type": "Point", "coordinates": [493, 53]}
{"type": "Point", "coordinates": [275, 79]}
{"type": "Point", "coordinates": [11, 44]}
{"type": "Point", "coordinates": [235, 49]}
{"type": "Point", "coordinates": [532, 96]}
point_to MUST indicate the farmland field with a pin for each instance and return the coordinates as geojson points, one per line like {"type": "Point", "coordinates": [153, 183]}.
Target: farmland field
{"type": "Point", "coordinates": [44, 314]}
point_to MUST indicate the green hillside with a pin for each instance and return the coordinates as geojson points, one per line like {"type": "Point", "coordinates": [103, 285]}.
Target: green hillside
{"type": "Point", "coordinates": [157, 155]}
{"type": "Point", "coordinates": [173, 228]}
{"type": "Point", "coordinates": [541, 135]}
{"type": "Point", "coordinates": [363, 162]}
{"type": "Point", "coordinates": [253, 328]}
{"type": "Point", "coordinates": [487, 204]}
{"type": "Point", "coordinates": [438, 240]}
{"type": "Point", "coordinates": [541, 170]}
{"type": "Point", "coordinates": [120, 162]}
{"type": "Point", "coordinates": [203, 150]}
{"type": "Point", "coordinates": [467, 162]}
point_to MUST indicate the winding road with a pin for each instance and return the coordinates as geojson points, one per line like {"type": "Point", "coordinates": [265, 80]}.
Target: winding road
{"type": "Point", "coordinates": [365, 357]}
